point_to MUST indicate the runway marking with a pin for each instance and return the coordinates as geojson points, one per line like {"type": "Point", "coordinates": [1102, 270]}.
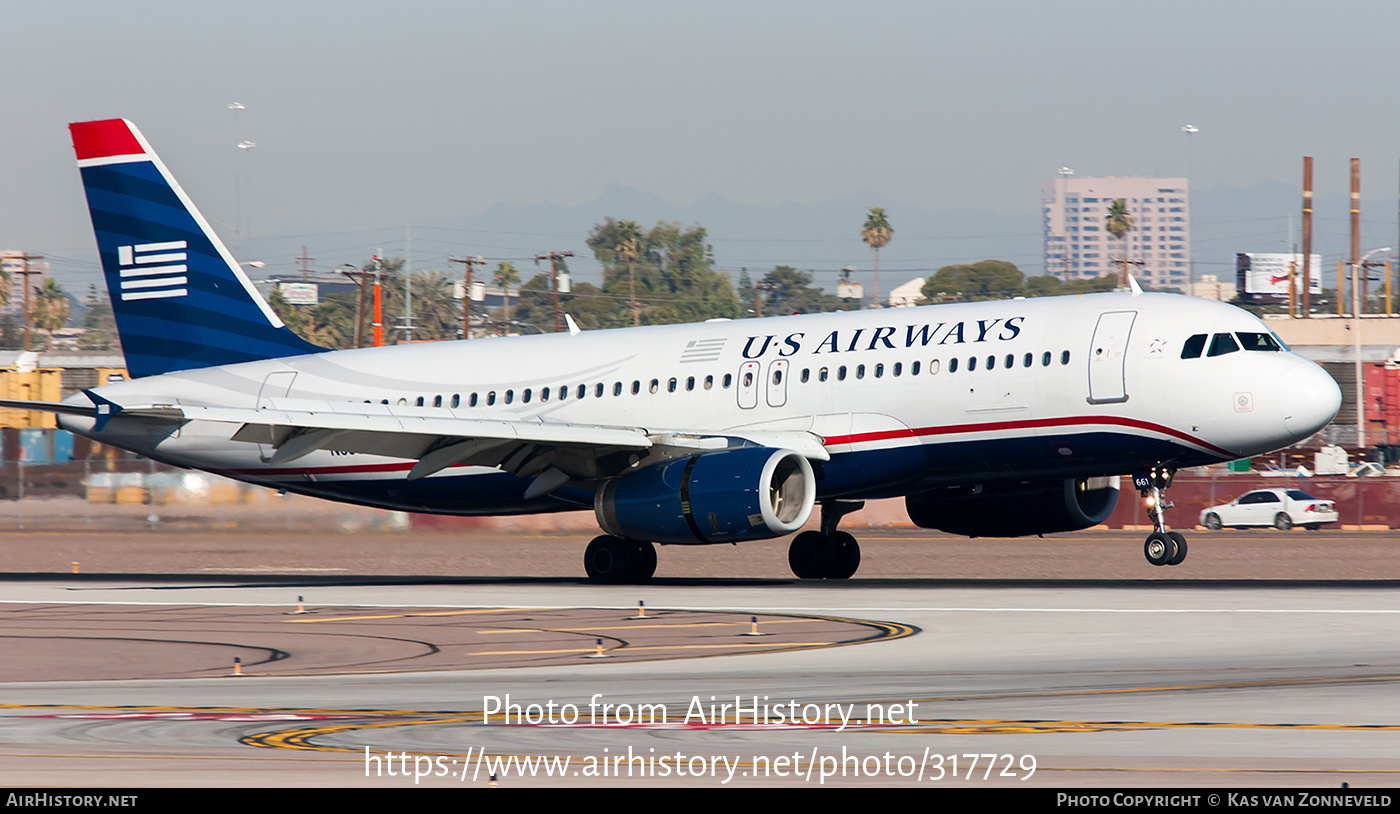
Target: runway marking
{"type": "Point", "coordinates": [630, 648]}
{"type": "Point", "coordinates": [640, 627]}
{"type": "Point", "coordinates": [472, 611]}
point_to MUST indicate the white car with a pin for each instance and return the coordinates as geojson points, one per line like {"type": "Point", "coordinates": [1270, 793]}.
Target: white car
{"type": "Point", "coordinates": [1281, 508]}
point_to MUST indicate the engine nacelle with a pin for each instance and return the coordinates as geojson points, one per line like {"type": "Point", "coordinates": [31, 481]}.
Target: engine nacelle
{"type": "Point", "coordinates": [1015, 508]}
{"type": "Point", "coordinates": [752, 493]}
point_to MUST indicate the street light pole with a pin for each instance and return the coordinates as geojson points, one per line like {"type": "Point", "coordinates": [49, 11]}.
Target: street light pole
{"type": "Point", "coordinates": [1356, 346]}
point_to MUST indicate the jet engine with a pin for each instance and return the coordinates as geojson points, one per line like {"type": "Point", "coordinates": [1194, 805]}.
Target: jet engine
{"type": "Point", "coordinates": [751, 493]}
{"type": "Point", "coordinates": [1015, 508]}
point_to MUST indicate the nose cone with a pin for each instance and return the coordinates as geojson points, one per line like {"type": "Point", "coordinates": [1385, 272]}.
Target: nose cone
{"type": "Point", "coordinates": [1309, 397]}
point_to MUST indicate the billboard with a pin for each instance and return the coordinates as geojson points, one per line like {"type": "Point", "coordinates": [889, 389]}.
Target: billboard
{"type": "Point", "coordinates": [299, 293]}
{"type": "Point", "coordinates": [1266, 274]}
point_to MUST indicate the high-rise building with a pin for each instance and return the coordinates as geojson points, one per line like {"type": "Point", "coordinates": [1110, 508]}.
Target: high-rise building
{"type": "Point", "coordinates": [1078, 244]}
{"type": "Point", "coordinates": [13, 263]}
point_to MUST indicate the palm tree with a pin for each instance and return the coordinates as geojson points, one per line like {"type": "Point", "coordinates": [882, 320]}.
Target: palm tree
{"type": "Point", "coordinates": [629, 248]}
{"type": "Point", "coordinates": [877, 234]}
{"type": "Point", "coordinates": [504, 277]}
{"type": "Point", "coordinates": [1119, 223]}
{"type": "Point", "coordinates": [51, 308]}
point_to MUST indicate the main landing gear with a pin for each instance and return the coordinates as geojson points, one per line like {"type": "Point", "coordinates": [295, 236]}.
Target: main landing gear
{"type": "Point", "coordinates": [1162, 547]}
{"type": "Point", "coordinates": [616, 561]}
{"type": "Point", "coordinates": [826, 554]}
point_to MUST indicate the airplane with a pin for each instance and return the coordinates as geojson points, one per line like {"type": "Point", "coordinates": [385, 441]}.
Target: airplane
{"type": "Point", "coordinates": [990, 419]}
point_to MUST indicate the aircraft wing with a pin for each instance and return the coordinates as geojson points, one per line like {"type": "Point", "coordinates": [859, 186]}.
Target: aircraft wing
{"type": "Point", "coordinates": [437, 437]}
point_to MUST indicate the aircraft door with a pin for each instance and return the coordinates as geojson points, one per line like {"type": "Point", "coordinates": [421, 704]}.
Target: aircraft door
{"type": "Point", "coordinates": [1107, 355]}
{"type": "Point", "coordinates": [777, 383]}
{"type": "Point", "coordinates": [748, 385]}
{"type": "Point", "coordinates": [275, 386]}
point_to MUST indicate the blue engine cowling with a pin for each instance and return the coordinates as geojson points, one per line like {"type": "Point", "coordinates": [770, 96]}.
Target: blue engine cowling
{"type": "Point", "coordinates": [752, 493]}
{"type": "Point", "coordinates": [1017, 508]}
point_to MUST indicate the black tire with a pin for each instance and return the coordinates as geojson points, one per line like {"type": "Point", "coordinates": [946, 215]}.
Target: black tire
{"type": "Point", "coordinates": [1313, 526]}
{"type": "Point", "coordinates": [1282, 521]}
{"type": "Point", "coordinates": [1213, 522]}
{"type": "Point", "coordinates": [807, 555]}
{"type": "Point", "coordinates": [1158, 548]}
{"type": "Point", "coordinates": [1179, 541]}
{"type": "Point", "coordinates": [608, 560]}
{"type": "Point", "coordinates": [845, 559]}
{"type": "Point", "coordinates": [643, 561]}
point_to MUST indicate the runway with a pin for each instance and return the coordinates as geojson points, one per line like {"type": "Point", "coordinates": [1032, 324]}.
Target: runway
{"type": "Point", "coordinates": [1112, 684]}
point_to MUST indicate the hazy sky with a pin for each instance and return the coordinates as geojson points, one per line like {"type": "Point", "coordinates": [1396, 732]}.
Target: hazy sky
{"type": "Point", "coordinates": [371, 114]}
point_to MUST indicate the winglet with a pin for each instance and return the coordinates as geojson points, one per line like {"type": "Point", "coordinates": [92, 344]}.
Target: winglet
{"type": "Point", "coordinates": [574, 329]}
{"type": "Point", "coordinates": [106, 409]}
{"type": "Point", "coordinates": [1133, 284]}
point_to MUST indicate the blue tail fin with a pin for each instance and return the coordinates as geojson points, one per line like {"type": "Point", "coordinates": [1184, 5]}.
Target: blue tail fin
{"type": "Point", "coordinates": [180, 300]}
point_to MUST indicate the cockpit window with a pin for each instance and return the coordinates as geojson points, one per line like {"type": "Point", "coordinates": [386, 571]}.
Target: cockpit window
{"type": "Point", "coordinates": [1255, 341]}
{"type": "Point", "coordinates": [1193, 347]}
{"type": "Point", "coordinates": [1221, 344]}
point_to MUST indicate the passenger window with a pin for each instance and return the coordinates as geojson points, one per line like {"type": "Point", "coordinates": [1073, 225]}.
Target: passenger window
{"type": "Point", "coordinates": [709, 382]}
{"type": "Point", "coordinates": [403, 402]}
{"type": "Point", "coordinates": [898, 368]}
{"type": "Point", "coordinates": [806, 374]}
{"type": "Point", "coordinates": [437, 401]}
{"type": "Point", "coordinates": [472, 401]}
{"type": "Point", "coordinates": [671, 386]}
{"type": "Point", "coordinates": [598, 390]}
{"type": "Point", "coordinates": [728, 380]}
{"type": "Point", "coordinates": [544, 394]}
{"type": "Point", "coordinates": [822, 374]}
{"type": "Point", "coordinates": [617, 388]}
{"type": "Point", "coordinates": [841, 373]}
{"type": "Point", "coordinates": [510, 396]}
{"type": "Point", "coordinates": [879, 370]}
{"type": "Point", "coordinates": [654, 386]}
{"type": "Point", "coordinates": [690, 383]}
{"type": "Point", "coordinates": [971, 363]}
{"type": "Point", "coordinates": [1221, 344]}
{"type": "Point", "coordinates": [525, 397]}
{"type": "Point", "coordinates": [777, 377]}
{"type": "Point", "coordinates": [860, 371]}
{"type": "Point", "coordinates": [952, 365]}
{"type": "Point", "coordinates": [1030, 359]}
{"type": "Point", "coordinates": [1193, 347]}
{"type": "Point", "coordinates": [1064, 357]}
{"type": "Point", "coordinates": [991, 363]}
{"type": "Point", "coordinates": [1010, 360]}
{"type": "Point", "coordinates": [419, 402]}
{"type": "Point", "coordinates": [636, 387]}
{"type": "Point", "coordinates": [491, 398]}
{"type": "Point", "coordinates": [456, 400]}
{"type": "Point", "coordinates": [1045, 359]}
{"type": "Point", "coordinates": [748, 378]}
{"type": "Point", "coordinates": [914, 368]}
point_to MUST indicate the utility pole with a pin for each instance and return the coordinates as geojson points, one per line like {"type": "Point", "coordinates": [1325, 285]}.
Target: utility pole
{"type": "Point", "coordinates": [554, 258]}
{"type": "Point", "coordinates": [361, 278]}
{"type": "Point", "coordinates": [1356, 231]}
{"type": "Point", "coordinates": [25, 272]}
{"type": "Point", "coordinates": [1307, 237]}
{"type": "Point", "coordinates": [305, 269]}
{"type": "Point", "coordinates": [468, 262]}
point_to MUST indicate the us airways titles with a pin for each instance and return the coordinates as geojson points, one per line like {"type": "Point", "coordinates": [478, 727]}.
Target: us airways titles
{"type": "Point", "coordinates": [887, 337]}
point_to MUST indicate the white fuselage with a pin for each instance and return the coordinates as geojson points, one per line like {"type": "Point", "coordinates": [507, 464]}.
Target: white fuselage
{"type": "Point", "coordinates": [902, 399]}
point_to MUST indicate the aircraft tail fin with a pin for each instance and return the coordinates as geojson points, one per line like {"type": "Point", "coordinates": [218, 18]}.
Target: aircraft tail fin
{"type": "Point", "coordinates": [180, 300]}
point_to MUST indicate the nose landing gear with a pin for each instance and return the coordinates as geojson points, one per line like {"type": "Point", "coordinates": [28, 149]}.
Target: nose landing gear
{"type": "Point", "coordinates": [1162, 547]}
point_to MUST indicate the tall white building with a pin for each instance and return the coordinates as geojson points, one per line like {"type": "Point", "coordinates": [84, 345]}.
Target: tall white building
{"type": "Point", "coordinates": [12, 263]}
{"type": "Point", "coordinates": [1077, 244]}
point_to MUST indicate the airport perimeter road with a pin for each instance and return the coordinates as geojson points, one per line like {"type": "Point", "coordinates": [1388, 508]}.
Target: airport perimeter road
{"type": "Point", "coordinates": [886, 553]}
{"type": "Point", "coordinates": [1116, 684]}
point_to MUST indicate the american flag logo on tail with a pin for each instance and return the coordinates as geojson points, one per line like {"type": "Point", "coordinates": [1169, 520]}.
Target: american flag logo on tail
{"type": "Point", "coordinates": [151, 271]}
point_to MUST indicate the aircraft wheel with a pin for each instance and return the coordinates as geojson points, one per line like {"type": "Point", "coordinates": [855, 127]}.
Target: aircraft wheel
{"type": "Point", "coordinates": [846, 556]}
{"type": "Point", "coordinates": [1159, 548]}
{"type": "Point", "coordinates": [643, 561]}
{"type": "Point", "coordinates": [807, 555]}
{"type": "Point", "coordinates": [1179, 542]}
{"type": "Point", "coordinates": [1213, 522]}
{"type": "Point", "coordinates": [609, 560]}
{"type": "Point", "coordinates": [1282, 521]}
